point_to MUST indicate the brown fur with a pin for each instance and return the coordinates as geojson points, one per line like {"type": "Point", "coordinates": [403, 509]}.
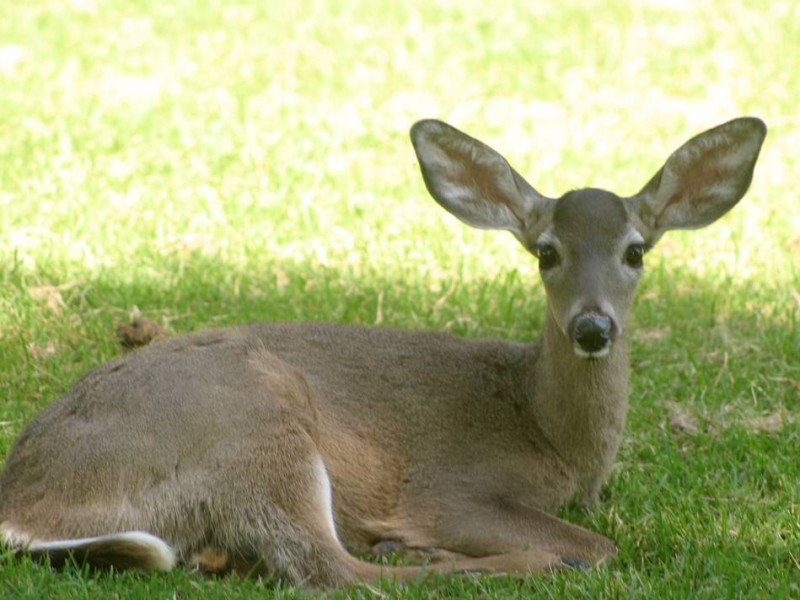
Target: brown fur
{"type": "Point", "coordinates": [222, 443]}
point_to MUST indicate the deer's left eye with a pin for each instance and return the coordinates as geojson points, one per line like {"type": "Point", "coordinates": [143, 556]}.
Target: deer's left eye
{"type": "Point", "coordinates": [634, 254]}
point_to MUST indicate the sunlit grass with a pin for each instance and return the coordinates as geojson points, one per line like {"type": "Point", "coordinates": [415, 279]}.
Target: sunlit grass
{"type": "Point", "coordinates": [216, 163]}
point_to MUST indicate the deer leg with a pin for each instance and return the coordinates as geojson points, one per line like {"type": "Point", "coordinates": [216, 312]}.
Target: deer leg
{"type": "Point", "coordinates": [290, 532]}
{"type": "Point", "coordinates": [502, 527]}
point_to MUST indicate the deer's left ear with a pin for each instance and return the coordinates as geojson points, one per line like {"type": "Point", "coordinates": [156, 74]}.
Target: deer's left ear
{"type": "Point", "coordinates": [701, 181]}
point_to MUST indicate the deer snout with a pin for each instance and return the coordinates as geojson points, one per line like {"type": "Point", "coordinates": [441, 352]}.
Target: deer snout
{"type": "Point", "coordinates": [592, 335]}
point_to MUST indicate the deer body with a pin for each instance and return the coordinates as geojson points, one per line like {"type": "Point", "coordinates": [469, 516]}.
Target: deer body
{"type": "Point", "coordinates": [272, 448]}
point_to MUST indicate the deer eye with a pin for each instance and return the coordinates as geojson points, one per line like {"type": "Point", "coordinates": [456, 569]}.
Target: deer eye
{"type": "Point", "coordinates": [547, 255]}
{"type": "Point", "coordinates": [634, 254]}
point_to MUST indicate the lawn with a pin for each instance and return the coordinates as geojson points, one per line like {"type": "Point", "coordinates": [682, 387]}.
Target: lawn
{"type": "Point", "coordinates": [223, 162]}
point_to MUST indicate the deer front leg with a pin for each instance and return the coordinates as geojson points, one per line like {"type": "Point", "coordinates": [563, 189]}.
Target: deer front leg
{"type": "Point", "coordinates": [471, 528]}
{"type": "Point", "coordinates": [504, 526]}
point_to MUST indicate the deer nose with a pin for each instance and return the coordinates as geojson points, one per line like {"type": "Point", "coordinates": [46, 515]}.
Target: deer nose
{"type": "Point", "coordinates": [592, 335]}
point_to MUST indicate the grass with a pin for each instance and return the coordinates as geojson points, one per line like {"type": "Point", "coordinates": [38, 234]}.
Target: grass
{"type": "Point", "coordinates": [225, 162]}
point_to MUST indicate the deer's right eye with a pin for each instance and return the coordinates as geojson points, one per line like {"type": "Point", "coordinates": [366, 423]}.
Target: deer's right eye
{"type": "Point", "coordinates": [547, 255]}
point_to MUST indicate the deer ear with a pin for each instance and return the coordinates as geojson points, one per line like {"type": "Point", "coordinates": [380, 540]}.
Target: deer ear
{"type": "Point", "coordinates": [472, 181]}
{"type": "Point", "coordinates": [702, 180]}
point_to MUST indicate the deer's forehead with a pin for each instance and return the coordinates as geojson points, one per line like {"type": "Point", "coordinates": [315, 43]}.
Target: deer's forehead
{"type": "Point", "coordinates": [590, 215]}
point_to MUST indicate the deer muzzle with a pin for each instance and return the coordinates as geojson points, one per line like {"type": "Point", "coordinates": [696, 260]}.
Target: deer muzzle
{"type": "Point", "coordinates": [592, 335]}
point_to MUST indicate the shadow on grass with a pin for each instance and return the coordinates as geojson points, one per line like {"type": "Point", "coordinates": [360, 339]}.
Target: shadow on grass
{"type": "Point", "coordinates": [693, 339]}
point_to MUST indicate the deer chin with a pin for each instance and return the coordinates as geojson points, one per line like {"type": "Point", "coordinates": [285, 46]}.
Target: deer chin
{"type": "Point", "coordinates": [594, 355]}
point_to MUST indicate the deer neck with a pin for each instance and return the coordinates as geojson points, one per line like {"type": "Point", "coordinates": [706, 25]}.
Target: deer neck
{"type": "Point", "coordinates": [579, 406]}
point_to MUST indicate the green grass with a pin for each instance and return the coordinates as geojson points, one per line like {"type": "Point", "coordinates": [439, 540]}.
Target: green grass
{"type": "Point", "coordinates": [225, 162]}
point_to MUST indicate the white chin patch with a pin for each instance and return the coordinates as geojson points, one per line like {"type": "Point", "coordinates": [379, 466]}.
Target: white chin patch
{"type": "Point", "coordinates": [581, 353]}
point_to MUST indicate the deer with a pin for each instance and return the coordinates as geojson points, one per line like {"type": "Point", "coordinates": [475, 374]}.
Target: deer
{"type": "Point", "coordinates": [296, 450]}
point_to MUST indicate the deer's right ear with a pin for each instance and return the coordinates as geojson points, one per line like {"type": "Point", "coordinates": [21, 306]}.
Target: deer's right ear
{"type": "Point", "coordinates": [702, 180]}
{"type": "Point", "coordinates": [472, 181]}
